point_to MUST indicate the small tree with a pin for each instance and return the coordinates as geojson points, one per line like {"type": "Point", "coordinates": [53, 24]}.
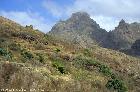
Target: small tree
{"type": "Point", "coordinates": [5, 53]}
{"type": "Point", "coordinates": [27, 55]}
{"type": "Point", "coordinates": [40, 58]}
{"type": "Point", "coordinates": [117, 85]}
{"type": "Point", "coordinates": [59, 66]}
{"type": "Point", "coordinates": [57, 50]}
{"type": "Point", "coordinates": [30, 26]}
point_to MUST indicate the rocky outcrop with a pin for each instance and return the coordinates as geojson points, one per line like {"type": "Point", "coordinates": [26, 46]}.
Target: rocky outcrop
{"type": "Point", "coordinates": [135, 49]}
{"type": "Point", "coordinates": [124, 35]}
{"type": "Point", "coordinates": [136, 45]}
{"type": "Point", "coordinates": [79, 29]}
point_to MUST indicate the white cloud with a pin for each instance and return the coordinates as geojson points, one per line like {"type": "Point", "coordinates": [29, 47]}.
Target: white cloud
{"type": "Point", "coordinates": [27, 18]}
{"type": "Point", "coordinates": [115, 8]}
{"type": "Point", "coordinates": [107, 23]}
{"type": "Point", "coordinates": [106, 12]}
{"type": "Point", "coordinates": [53, 8]}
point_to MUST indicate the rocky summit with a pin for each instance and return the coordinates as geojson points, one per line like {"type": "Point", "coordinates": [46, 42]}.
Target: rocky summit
{"type": "Point", "coordinates": [80, 29]}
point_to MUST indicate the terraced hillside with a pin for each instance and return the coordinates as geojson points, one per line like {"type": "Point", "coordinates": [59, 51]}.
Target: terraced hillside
{"type": "Point", "coordinates": [33, 61]}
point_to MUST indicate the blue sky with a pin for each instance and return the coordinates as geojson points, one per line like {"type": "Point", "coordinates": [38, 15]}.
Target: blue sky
{"type": "Point", "coordinates": [43, 14]}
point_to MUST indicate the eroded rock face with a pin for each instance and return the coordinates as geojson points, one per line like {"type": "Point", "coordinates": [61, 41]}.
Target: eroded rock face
{"type": "Point", "coordinates": [136, 45]}
{"type": "Point", "coordinates": [79, 29]}
{"type": "Point", "coordinates": [124, 35]}
{"type": "Point", "coordinates": [135, 49]}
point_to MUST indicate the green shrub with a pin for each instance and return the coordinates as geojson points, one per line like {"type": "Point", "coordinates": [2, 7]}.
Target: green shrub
{"type": "Point", "coordinates": [105, 70]}
{"type": "Point", "coordinates": [37, 30]}
{"type": "Point", "coordinates": [87, 52]}
{"type": "Point", "coordinates": [39, 46]}
{"type": "Point", "coordinates": [46, 36]}
{"type": "Point", "coordinates": [14, 47]}
{"type": "Point", "coordinates": [57, 50]}
{"type": "Point", "coordinates": [27, 55]}
{"type": "Point", "coordinates": [80, 62]}
{"type": "Point", "coordinates": [85, 63]}
{"type": "Point", "coordinates": [60, 67]}
{"type": "Point", "coordinates": [40, 58]}
{"type": "Point", "coordinates": [30, 26]}
{"type": "Point", "coordinates": [94, 63]}
{"type": "Point", "coordinates": [8, 56]}
{"type": "Point", "coordinates": [2, 40]}
{"type": "Point", "coordinates": [116, 84]}
{"type": "Point", "coordinates": [5, 53]}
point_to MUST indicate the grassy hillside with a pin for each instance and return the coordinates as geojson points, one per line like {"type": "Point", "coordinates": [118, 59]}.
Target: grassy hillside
{"type": "Point", "coordinates": [32, 60]}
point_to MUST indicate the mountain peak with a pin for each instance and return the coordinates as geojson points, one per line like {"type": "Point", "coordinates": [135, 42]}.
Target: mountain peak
{"type": "Point", "coordinates": [80, 15]}
{"type": "Point", "coordinates": [122, 22]}
{"type": "Point", "coordinates": [82, 19]}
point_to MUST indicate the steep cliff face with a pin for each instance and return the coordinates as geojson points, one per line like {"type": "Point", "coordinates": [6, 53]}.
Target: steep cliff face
{"type": "Point", "coordinates": [79, 29]}
{"type": "Point", "coordinates": [124, 35]}
{"type": "Point", "coordinates": [136, 48]}
{"type": "Point", "coordinates": [82, 30]}
{"type": "Point", "coordinates": [136, 45]}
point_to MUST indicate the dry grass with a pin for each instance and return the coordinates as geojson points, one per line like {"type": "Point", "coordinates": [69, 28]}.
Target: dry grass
{"type": "Point", "coordinates": [30, 74]}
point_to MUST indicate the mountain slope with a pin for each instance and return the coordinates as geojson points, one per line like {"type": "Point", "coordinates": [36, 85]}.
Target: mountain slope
{"type": "Point", "coordinates": [32, 60]}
